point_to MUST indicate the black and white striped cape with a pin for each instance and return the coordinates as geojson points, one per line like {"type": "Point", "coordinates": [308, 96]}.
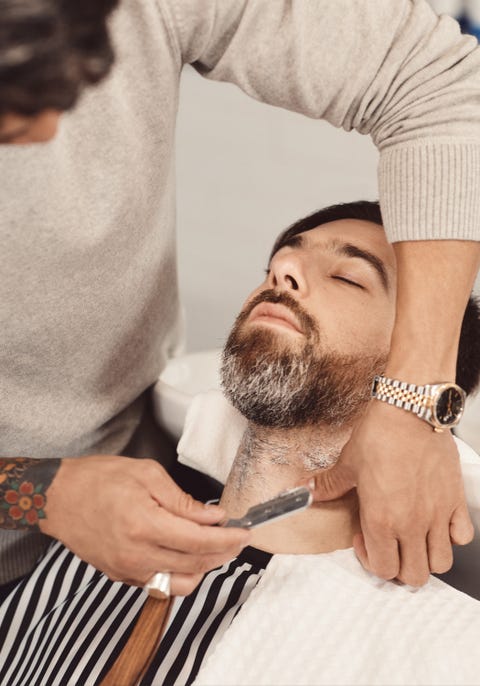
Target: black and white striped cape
{"type": "Point", "coordinates": [66, 623]}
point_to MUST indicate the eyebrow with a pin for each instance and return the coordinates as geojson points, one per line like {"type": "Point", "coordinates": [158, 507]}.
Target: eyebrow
{"type": "Point", "coordinates": [291, 242]}
{"type": "Point", "coordinates": [346, 250]}
{"type": "Point", "coordinates": [350, 250]}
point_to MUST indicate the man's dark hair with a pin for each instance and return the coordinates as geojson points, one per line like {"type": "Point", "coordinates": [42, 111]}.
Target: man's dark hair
{"type": "Point", "coordinates": [50, 50]}
{"type": "Point", "coordinates": [468, 361]}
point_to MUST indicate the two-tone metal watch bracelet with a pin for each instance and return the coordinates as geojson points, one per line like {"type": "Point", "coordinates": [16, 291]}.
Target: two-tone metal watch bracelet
{"type": "Point", "coordinates": [408, 396]}
{"type": "Point", "coordinates": [441, 404]}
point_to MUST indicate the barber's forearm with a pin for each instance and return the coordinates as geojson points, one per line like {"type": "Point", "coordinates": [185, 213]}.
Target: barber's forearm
{"type": "Point", "coordinates": [435, 279]}
{"type": "Point", "coordinates": [23, 485]}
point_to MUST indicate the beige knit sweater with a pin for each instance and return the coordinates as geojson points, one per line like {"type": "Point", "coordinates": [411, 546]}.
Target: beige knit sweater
{"type": "Point", "coordinates": [88, 287]}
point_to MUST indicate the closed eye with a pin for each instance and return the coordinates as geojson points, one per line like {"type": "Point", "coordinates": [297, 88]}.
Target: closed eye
{"type": "Point", "coordinates": [352, 283]}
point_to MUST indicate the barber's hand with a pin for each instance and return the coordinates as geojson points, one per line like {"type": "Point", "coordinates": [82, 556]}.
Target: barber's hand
{"type": "Point", "coordinates": [128, 519]}
{"type": "Point", "coordinates": [410, 488]}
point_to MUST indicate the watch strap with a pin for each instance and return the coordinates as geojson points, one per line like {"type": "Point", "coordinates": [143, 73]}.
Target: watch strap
{"type": "Point", "coordinates": [408, 396]}
{"type": "Point", "coordinates": [434, 403]}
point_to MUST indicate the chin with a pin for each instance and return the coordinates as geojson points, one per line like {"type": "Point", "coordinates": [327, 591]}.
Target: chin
{"type": "Point", "coordinates": [277, 338]}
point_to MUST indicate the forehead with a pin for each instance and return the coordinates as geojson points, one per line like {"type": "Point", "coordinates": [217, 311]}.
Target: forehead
{"type": "Point", "coordinates": [363, 234]}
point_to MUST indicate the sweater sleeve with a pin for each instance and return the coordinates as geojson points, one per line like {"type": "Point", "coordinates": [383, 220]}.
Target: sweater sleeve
{"type": "Point", "coordinates": [392, 69]}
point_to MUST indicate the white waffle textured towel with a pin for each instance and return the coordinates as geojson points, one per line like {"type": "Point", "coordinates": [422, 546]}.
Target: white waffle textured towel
{"type": "Point", "coordinates": [211, 435]}
{"type": "Point", "coordinates": [322, 619]}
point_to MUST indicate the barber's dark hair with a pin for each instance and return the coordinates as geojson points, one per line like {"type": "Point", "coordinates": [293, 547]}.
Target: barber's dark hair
{"type": "Point", "coordinates": [468, 361]}
{"type": "Point", "coordinates": [50, 50]}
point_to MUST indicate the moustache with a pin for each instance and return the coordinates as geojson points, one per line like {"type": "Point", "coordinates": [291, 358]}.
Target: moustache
{"type": "Point", "coordinates": [308, 324]}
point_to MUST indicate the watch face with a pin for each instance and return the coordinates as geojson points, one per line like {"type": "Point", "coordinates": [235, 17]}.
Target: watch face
{"type": "Point", "coordinates": [449, 406]}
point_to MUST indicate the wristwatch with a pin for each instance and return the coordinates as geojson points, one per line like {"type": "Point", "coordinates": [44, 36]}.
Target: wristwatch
{"type": "Point", "coordinates": [439, 404]}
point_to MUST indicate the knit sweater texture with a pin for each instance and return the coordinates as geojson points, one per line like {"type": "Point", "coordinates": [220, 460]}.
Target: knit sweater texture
{"type": "Point", "coordinates": [88, 291]}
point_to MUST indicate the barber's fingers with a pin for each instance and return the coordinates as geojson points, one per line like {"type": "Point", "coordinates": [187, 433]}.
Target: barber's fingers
{"type": "Point", "coordinates": [329, 484]}
{"type": "Point", "coordinates": [414, 562]}
{"type": "Point", "coordinates": [389, 560]}
{"type": "Point", "coordinates": [440, 555]}
{"type": "Point", "coordinates": [361, 551]}
{"type": "Point", "coordinates": [136, 565]}
{"type": "Point", "coordinates": [461, 527]}
{"type": "Point", "coordinates": [439, 560]}
{"type": "Point", "coordinates": [161, 541]}
{"type": "Point", "coordinates": [441, 538]}
{"type": "Point", "coordinates": [175, 533]}
{"type": "Point", "coordinates": [184, 584]}
{"type": "Point", "coordinates": [417, 557]}
{"type": "Point", "coordinates": [181, 563]}
{"type": "Point", "coordinates": [167, 494]}
{"type": "Point", "coordinates": [379, 556]}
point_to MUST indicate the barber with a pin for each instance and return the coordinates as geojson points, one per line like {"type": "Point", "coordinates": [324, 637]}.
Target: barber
{"type": "Point", "coordinates": [126, 517]}
{"type": "Point", "coordinates": [89, 302]}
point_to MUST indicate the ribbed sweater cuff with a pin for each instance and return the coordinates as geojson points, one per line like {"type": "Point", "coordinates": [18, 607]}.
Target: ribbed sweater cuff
{"type": "Point", "coordinates": [431, 190]}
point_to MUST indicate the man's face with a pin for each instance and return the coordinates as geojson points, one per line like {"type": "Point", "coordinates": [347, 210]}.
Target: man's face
{"type": "Point", "coordinates": [310, 339]}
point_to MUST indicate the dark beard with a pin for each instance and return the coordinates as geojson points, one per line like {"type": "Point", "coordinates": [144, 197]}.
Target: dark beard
{"type": "Point", "coordinates": [279, 385]}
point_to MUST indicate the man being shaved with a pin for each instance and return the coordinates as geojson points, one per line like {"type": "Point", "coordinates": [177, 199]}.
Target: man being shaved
{"type": "Point", "coordinates": [298, 365]}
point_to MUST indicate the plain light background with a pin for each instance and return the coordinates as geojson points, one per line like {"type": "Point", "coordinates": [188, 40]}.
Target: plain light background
{"type": "Point", "coordinates": [246, 171]}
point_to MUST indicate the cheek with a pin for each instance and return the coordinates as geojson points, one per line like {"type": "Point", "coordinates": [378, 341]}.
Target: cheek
{"type": "Point", "coordinates": [361, 329]}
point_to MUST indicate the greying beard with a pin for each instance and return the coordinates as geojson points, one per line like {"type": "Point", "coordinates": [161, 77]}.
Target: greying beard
{"type": "Point", "coordinates": [279, 384]}
{"type": "Point", "coordinates": [293, 388]}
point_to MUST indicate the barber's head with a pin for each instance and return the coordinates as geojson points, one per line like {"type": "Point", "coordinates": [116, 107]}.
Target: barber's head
{"type": "Point", "coordinates": [49, 51]}
{"type": "Point", "coordinates": [311, 337]}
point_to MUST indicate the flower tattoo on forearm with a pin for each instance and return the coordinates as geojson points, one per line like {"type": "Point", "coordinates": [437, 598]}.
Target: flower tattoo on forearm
{"type": "Point", "coordinates": [23, 485]}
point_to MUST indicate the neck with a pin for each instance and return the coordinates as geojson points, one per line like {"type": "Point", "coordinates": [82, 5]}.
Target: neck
{"type": "Point", "coordinates": [269, 461]}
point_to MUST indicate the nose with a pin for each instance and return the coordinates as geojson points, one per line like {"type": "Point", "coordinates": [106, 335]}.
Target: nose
{"type": "Point", "coordinates": [287, 273]}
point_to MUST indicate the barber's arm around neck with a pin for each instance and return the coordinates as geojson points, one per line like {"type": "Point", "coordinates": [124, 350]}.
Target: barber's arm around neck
{"type": "Point", "coordinates": [393, 453]}
{"type": "Point", "coordinates": [435, 279]}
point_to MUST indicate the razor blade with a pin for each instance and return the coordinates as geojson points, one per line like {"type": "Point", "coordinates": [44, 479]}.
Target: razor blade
{"type": "Point", "coordinates": [283, 505]}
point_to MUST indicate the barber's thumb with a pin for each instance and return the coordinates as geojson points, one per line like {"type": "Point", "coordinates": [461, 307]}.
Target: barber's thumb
{"type": "Point", "coordinates": [329, 484]}
{"type": "Point", "coordinates": [182, 504]}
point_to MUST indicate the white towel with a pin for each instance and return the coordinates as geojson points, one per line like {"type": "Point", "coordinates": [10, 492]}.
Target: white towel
{"type": "Point", "coordinates": [211, 435]}
{"type": "Point", "coordinates": [322, 620]}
